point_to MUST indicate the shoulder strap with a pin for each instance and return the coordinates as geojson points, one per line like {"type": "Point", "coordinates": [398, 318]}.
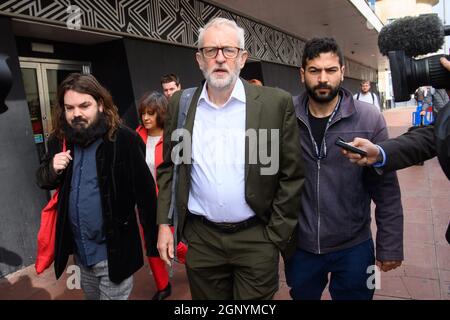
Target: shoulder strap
{"type": "Point", "coordinates": [357, 96]}
{"type": "Point", "coordinates": [373, 97]}
{"type": "Point", "coordinates": [185, 102]}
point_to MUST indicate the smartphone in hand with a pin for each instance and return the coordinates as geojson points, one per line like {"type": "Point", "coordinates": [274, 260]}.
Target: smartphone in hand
{"type": "Point", "coordinates": [344, 145]}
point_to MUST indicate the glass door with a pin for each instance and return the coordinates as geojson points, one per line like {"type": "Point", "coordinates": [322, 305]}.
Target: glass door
{"type": "Point", "coordinates": [41, 79]}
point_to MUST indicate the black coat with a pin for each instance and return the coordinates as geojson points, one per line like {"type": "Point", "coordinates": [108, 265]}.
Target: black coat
{"type": "Point", "coordinates": [124, 182]}
{"type": "Point", "coordinates": [410, 148]}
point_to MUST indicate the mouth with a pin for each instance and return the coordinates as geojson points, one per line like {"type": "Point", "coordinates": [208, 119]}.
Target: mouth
{"type": "Point", "coordinates": [220, 71]}
{"type": "Point", "coordinates": [79, 123]}
{"type": "Point", "coordinates": [323, 91]}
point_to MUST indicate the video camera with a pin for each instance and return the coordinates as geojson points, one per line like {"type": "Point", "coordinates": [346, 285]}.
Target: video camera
{"type": "Point", "coordinates": [409, 37]}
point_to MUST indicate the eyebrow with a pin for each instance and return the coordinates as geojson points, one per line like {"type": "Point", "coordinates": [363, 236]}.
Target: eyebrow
{"type": "Point", "coordinates": [85, 103]}
{"type": "Point", "coordinates": [327, 69]}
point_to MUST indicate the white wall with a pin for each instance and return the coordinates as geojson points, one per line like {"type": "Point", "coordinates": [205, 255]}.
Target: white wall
{"type": "Point", "coordinates": [443, 10]}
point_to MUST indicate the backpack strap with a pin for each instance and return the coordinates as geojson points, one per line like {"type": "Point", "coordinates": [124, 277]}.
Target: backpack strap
{"type": "Point", "coordinates": [357, 96]}
{"type": "Point", "coordinates": [185, 102]}
{"type": "Point", "coordinates": [373, 97]}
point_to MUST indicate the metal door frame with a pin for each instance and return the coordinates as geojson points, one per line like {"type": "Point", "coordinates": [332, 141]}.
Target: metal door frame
{"type": "Point", "coordinates": [41, 66]}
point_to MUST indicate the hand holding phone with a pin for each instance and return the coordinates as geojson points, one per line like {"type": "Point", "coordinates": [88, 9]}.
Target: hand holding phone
{"type": "Point", "coordinates": [341, 143]}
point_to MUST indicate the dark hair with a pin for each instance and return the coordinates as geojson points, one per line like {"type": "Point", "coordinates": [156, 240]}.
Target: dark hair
{"type": "Point", "coordinates": [170, 78]}
{"type": "Point", "coordinates": [154, 102]}
{"type": "Point", "coordinates": [315, 46]}
{"type": "Point", "coordinates": [86, 84]}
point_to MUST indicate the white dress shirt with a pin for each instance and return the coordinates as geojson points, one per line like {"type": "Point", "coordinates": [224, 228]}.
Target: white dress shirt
{"type": "Point", "coordinates": [218, 159]}
{"type": "Point", "coordinates": [152, 141]}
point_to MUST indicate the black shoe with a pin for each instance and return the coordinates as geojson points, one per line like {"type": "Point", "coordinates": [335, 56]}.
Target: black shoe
{"type": "Point", "coordinates": [162, 294]}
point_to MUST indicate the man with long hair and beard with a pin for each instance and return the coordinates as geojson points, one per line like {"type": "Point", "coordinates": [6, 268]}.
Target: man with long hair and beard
{"type": "Point", "coordinates": [334, 220]}
{"type": "Point", "coordinates": [101, 177]}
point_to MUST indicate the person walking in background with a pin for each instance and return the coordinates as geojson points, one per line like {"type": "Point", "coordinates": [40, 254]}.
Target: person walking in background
{"type": "Point", "coordinates": [256, 82]}
{"type": "Point", "coordinates": [366, 95]}
{"type": "Point", "coordinates": [152, 111]}
{"type": "Point", "coordinates": [170, 84]}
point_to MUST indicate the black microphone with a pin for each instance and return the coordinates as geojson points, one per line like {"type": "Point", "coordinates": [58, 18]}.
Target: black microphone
{"type": "Point", "coordinates": [414, 35]}
{"type": "Point", "coordinates": [409, 37]}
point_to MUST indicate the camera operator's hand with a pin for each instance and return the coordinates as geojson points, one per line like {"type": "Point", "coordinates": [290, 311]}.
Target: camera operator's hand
{"type": "Point", "coordinates": [373, 153]}
{"type": "Point", "coordinates": [445, 63]}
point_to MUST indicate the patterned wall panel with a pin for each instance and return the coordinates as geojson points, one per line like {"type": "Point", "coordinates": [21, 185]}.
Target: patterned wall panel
{"type": "Point", "coordinates": [175, 21]}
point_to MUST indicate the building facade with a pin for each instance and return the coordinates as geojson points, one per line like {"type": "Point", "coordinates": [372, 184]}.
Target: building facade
{"type": "Point", "coordinates": [128, 45]}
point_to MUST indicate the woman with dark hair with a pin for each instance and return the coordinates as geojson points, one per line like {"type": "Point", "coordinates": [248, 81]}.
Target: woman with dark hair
{"type": "Point", "coordinates": [152, 112]}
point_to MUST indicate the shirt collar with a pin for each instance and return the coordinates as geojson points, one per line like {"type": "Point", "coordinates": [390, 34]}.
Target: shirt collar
{"type": "Point", "coordinates": [238, 94]}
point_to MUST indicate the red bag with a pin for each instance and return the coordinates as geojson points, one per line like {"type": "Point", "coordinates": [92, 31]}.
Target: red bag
{"type": "Point", "coordinates": [47, 231]}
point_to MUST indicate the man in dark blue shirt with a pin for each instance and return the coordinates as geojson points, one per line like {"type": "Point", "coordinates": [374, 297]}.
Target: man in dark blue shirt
{"type": "Point", "coordinates": [101, 178]}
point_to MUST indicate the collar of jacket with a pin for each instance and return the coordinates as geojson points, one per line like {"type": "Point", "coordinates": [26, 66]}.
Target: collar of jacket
{"type": "Point", "coordinates": [346, 109]}
{"type": "Point", "coordinates": [144, 135]}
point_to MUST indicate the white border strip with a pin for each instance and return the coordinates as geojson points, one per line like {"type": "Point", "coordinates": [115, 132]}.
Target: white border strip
{"type": "Point", "coordinates": [363, 7]}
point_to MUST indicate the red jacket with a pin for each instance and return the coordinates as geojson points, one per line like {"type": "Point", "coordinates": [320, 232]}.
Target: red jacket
{"type": "Point", "coordinates": [158, 148]}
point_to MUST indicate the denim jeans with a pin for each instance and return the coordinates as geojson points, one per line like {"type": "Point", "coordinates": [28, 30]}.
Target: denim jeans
{"type": "Point", "coordinates": [307, 273]}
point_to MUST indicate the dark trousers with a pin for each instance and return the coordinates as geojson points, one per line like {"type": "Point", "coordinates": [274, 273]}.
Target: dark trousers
{"type": "Point", "coordinates": [240, 265]}
{"type": "Point", "coordinates": [307, 273]}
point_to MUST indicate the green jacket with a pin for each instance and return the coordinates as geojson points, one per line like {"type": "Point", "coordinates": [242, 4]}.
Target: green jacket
{"type": "Point", "coordinates": [275, 198]}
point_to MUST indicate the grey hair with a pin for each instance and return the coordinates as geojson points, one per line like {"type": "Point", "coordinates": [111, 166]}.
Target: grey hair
{"type": "Point", "coordinates": [216, 22]}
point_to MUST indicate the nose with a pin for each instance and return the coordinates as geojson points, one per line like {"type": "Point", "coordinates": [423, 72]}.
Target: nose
{"type": "Point", "coordinates": [323, 77]}
{"type": "Point", "coordinates": [76, 112]}
{"type": "Point", "coordinates": [220, 58]}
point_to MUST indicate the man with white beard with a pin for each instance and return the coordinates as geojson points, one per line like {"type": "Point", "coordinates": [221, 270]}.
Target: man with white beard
{"type": "Point", "coordinates": [235, 215]}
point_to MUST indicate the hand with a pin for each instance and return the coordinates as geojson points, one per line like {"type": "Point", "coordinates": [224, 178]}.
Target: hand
{"type": "Point", "coordinates": [388, 265]}
{"type": "Point", "coordinates": [165, 243]}
{"type": "Point", "coordinates": [445, 63]}
{"type": "Point", "coordinates": [372, 152]}
{"type": "Point", "coordinates": [61, 161]}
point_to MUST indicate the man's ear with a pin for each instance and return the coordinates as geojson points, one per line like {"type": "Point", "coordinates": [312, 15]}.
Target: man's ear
{"type": "Point", "coordinates": [243, 58]}
{"type": "Point", "coordinates": [199, 58]}
{"type": "Point", "coordinates": [302, 74]}
{"type": "Point", "coordinates": [343, 72]}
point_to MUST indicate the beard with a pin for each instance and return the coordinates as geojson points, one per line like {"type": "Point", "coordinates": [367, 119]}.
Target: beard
{"type": "Point", "coordinates": [322, 98]}
{"type": "Point", "coordinates": [78, 132]}
{"type": "Point", "coordinates": [221, 83]}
